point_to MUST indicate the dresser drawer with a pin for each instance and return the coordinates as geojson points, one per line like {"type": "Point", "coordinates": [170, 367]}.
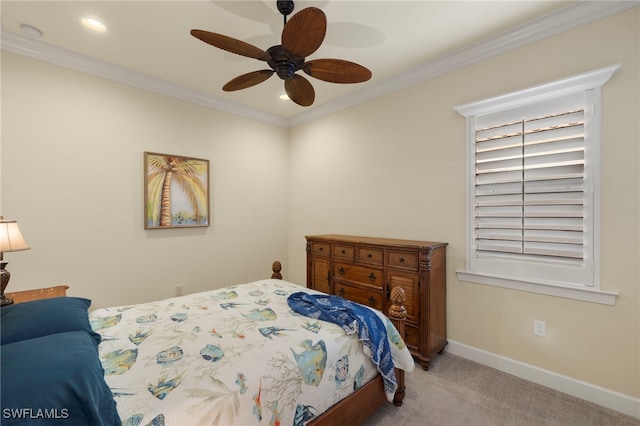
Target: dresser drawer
{"type": "Point", "coordinates": [344, 251]}
{"type": "Point", "coordinates": [320, 249]}
{"type": "Point", "coordinates": [403, 259]}
{"type": "Point", "coordinates": [370, 255]}
{"type": "Point", "coordinates": [369, 298]}
{"type": "Point", "coordinates": [369, 276]}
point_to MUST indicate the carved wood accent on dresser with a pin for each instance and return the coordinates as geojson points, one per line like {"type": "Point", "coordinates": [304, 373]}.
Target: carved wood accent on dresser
{"type": "Point", "coordinates": [365, 269]}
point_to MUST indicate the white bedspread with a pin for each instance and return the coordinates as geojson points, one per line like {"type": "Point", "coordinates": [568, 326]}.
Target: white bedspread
{"type": "Point", "coordinates": [234, 356]}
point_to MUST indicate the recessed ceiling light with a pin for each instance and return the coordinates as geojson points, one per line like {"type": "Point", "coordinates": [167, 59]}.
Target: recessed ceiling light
{"type": "Point", "coordinates": [284, 97]}
{"type": "Point", "coordinates": [93, 24]}
{"type": "Point", "coordinates": [30, 30]}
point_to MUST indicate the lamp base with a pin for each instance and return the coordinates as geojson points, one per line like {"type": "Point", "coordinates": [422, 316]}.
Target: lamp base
{"type": "Point", "coordinates": [5, 301]}
{"type": "Point", "coordinates": [4, 281]}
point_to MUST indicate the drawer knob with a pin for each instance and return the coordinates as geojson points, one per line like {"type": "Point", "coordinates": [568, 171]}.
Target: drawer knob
{"type": "Point", "coordinates": [369, 255]}
{"type": "Point", "coordinates": [321, 249]}
{"type": "Point", "coordinates": [372, 277]}
{"type": "Point", "coordinates": [341, 291]}
{"type": "Point", "coordinates": [401, 259]}
{"type": "Point", "coordinates": [372, 300]}
{"type": "Point", "coordinates": [341, 271]}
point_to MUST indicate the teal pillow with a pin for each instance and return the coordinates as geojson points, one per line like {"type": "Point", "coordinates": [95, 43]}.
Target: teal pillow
{"type": "Point", "coordinates": [60, 374]}
{"type": "Point", "coordinates": [43, 317]}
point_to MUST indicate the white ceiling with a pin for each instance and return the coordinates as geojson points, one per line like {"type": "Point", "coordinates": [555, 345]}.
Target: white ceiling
{"type": "Point", "coordinates": [149, 41]}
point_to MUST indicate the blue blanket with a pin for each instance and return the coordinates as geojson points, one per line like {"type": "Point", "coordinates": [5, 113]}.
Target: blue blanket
{"type": "Point", "coordinates": [353, 318]}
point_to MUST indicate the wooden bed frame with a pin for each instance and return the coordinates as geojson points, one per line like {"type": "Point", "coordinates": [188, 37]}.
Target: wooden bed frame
{"type": "Point", "coordinates": [357, 407]}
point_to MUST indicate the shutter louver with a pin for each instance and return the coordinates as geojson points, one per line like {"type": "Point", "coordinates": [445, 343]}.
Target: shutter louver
{"type": "Point", "coordinates": [529, 189]}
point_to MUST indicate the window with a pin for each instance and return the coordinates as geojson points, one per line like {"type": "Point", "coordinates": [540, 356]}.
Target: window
{"type": "Point", "coordinates": [533, 189]}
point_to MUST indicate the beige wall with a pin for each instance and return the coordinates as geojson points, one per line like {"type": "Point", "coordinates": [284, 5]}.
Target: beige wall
{"type": "Point", "coordinates": [72, 175]}
{"type": "Point", "coordinates": [396, 167]}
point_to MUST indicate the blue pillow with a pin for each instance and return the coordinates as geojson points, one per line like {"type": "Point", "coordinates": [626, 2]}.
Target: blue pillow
{"type": "Point", "coordinates": [43, 317]}
{"type": "Point", "coordinates": [55, 380]}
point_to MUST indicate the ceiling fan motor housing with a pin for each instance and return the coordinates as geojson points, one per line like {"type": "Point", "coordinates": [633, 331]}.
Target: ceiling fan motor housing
{"type": "Point", "coordinates": [283, 62]}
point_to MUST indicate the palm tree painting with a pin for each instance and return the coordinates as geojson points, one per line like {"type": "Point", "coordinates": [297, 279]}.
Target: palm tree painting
{"type": "Point", "coordinates": [176, 191]}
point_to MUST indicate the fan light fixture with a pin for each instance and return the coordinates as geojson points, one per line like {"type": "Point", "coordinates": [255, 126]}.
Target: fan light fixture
{"type": "Point", "coordinates": [302, 35]}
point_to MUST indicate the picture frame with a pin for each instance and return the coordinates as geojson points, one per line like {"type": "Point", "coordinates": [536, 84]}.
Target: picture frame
{"type": "Point", "coordinates": [176, 191]}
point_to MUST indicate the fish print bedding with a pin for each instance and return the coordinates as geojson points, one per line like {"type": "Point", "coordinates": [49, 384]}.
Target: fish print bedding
{"type": "Point", "coordinates": [233, 356]}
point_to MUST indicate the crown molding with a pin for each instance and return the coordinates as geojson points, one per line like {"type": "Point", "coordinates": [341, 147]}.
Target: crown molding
{"type": "Point", "coordinates": [573, 16]}
{"type": "Point", "coordinates": [68, 59]}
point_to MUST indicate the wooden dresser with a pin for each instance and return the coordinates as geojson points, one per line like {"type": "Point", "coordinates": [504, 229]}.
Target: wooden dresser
{"type": "Point", "coordinates": [365, 269]}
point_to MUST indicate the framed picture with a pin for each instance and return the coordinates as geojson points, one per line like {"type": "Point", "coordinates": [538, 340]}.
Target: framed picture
{"type": "Point", "coordinates": [176, 191]}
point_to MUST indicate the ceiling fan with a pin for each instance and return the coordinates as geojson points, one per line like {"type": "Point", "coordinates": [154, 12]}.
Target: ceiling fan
{"type": "Point", "coordinates": [301, 36]}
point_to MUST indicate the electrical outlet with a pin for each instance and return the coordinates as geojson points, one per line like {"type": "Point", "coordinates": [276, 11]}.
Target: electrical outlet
{"type": "Point", "coordinates": [539, 328]}
{"type": "Point", "coordinates": [179, 290]}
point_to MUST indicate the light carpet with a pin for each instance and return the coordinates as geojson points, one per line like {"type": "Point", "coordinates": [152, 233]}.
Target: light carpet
{"type": "Point", "coordinates": [456, 392]}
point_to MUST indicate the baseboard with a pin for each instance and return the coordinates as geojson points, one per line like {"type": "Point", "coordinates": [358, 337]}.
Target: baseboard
{"type": "Point", "coordinates": [598, 395]}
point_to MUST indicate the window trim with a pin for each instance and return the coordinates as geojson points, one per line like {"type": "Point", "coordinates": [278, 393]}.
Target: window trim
{"type": "Point", "coordinates": [587, 294]}
{"type": "Point", "coordinates": [592, 80]}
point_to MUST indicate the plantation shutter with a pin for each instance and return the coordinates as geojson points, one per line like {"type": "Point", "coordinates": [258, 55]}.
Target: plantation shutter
{"type": "Point", "coordinates": [533, 188]}
{"type": "Point", "coordinates": [530, 184]}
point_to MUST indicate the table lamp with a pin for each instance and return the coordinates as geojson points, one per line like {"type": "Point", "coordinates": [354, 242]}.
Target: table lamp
{"type": "Point", "coordinates": [10, 240]}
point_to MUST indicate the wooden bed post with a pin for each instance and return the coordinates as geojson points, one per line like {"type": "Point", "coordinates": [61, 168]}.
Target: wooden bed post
{"type": "Point", "coordinates": [398, 314]}
{"type": "Point", "coordinates": [276, 268]}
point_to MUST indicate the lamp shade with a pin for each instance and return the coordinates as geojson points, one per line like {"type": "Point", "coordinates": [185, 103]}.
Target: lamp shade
{"type": "Point", "coordinates": [10, 237]}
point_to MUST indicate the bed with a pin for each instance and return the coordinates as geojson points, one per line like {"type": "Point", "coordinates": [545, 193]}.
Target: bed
{"type": "Point", "coordinates": [237, 355]}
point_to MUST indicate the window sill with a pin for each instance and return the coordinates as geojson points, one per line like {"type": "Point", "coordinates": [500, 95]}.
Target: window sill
{"type": "Point", "coordinates": [569, 292]}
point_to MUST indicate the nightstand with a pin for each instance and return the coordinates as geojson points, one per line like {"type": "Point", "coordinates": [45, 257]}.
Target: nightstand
{"type": "Point", "coordinates": [38, 293]}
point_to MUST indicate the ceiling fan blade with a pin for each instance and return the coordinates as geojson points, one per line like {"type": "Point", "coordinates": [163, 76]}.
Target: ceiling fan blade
{"type": "Point", "coordinates": [304, 32]}
{"type": "Point", "coordinates": [336, 71]}
{"type": "Point", "coordinates": [230, 44]}
{"type": "Point", "coordinates": [247, 80]}
{"type": "Point", "coordinates": [300, 90]}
